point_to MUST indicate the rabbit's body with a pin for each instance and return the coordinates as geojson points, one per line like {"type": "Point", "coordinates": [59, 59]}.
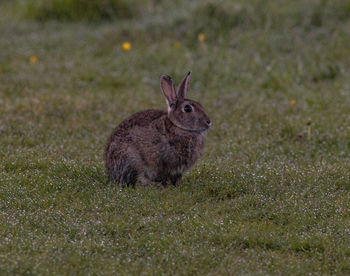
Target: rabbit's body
{"type": "Point", "coordinates": [148, 146]}
{"type": "Point", "coordinates": [152, 145]}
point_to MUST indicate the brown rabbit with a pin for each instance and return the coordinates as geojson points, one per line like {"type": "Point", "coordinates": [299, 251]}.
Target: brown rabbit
{"type": "Point", "coordinates": [156, 145]}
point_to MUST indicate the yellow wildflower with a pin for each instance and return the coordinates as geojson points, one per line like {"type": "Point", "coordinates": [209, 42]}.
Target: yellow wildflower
{"type": "Point", "coordinates": [292, 102]}
{"type": "Point", "coordinates": [126, 46]}
{"type": "Point", "coordinates": [177, 44]}
{"type": "Point", "coordinates": [33, 59]}
{"type": "Point", "coordinates": [201, 37]}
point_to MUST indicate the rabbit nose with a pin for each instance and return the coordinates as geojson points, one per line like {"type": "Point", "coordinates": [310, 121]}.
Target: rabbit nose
{"type": "Point", "coordinates": [208, 122]}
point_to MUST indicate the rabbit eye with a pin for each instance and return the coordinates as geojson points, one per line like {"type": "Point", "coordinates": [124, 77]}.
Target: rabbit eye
{"type": "Point", "coordinates": [188, 108]}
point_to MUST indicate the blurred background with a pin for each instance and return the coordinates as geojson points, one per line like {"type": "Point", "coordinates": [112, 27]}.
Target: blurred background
{"type": "Point", "coordinates": [264, 70]}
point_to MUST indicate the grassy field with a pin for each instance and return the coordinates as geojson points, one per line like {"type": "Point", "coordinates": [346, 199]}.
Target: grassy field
{"type": "Point", "coordinates": [271, 194]}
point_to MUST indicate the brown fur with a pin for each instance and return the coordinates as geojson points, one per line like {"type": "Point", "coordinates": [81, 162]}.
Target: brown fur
{"type": "Point", "coordinates": [155, 145]}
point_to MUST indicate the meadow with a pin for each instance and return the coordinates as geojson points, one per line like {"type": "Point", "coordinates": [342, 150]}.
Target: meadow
{"type": "Point", "coordinates": [270, 196]}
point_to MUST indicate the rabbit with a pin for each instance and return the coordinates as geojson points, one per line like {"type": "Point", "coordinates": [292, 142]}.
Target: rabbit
{"type": "Point", "coordinates": [156, 145]}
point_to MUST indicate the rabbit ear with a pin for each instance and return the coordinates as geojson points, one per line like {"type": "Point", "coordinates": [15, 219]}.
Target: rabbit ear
{"type": "Point", "coordinates": [168, 88]}
{"type": "Point", "coordinates": [183, 88]}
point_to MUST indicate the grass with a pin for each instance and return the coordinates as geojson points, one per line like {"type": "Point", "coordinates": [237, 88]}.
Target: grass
{"type": "Point", "coordinates": [270, 195]}
{"type": "Point", "coordinates": [78, 10]}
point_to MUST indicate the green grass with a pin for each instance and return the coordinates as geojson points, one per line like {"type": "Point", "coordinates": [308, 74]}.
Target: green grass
{"type": "Point", "coordinates": [79, 10]}
{"type": "Point", "coordinates": [271, 194]}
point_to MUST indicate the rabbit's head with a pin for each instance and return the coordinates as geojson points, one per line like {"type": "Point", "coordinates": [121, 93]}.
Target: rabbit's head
{"type": "Point", "coordinates": [184, 113]}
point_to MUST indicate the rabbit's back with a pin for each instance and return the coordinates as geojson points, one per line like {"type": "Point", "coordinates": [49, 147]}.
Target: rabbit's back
{"type": "Point", "coordinates": [121, 152]}
{"type": "Point", "coordinates": [141, 119]}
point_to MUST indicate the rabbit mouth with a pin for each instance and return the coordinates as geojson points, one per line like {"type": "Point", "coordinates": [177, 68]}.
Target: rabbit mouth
{"type": "Point", "coordinates": [198, 130]}
{"type": "Point", "coordinates": [201, 128]}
